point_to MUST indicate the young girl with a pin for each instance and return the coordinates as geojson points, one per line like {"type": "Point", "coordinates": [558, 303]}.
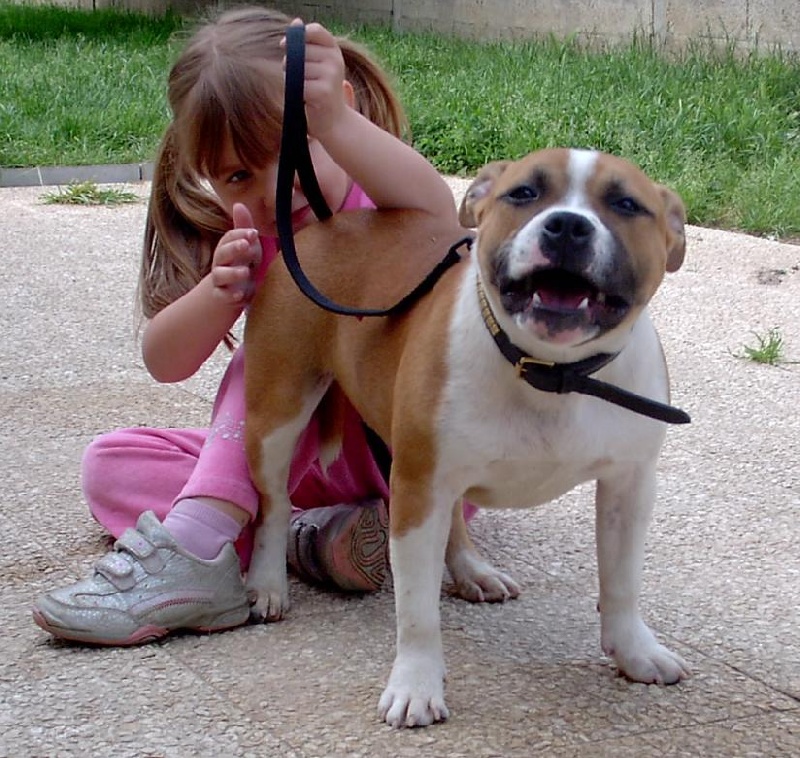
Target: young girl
{"type": "Point", "coordinates": [177, 499]}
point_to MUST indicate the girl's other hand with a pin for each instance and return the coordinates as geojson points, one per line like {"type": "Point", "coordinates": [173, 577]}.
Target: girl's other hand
{"type": "Point", "coordinates": [236, 260]}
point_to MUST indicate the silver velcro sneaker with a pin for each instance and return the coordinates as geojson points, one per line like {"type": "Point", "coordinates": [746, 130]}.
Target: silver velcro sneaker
{"type": "Point", "coordinates": [145, 588]}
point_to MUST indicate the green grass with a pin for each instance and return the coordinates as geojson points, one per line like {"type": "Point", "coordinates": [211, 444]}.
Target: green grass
{"type": "Point", "coordinates": [769, 348]}
{"type": "Point", "coordinates": [722, 127]}
{"type": "Point", "coordinates": [89, 193]}
{"type": "Point", "coordinates": [81, 87]}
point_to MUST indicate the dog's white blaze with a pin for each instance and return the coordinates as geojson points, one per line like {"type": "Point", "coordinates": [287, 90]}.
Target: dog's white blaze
{"type": "Point", "coordinates": [525, 252]}
{"type": "Point", "coordinates": [581, 167]}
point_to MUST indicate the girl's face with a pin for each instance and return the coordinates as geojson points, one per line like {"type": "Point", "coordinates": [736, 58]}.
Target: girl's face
{"type": "Point", "coordinates": [235, 183]}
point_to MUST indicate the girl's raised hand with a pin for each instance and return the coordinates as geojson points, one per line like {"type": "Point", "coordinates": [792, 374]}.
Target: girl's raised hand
{"type": "Point", "coordinates": [324, 80]}
{"type": "Point", "coordinates": [236, 259]}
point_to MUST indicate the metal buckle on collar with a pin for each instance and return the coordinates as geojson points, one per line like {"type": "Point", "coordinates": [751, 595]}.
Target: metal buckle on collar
{"type": "Point", "coordinates": [523, 362]}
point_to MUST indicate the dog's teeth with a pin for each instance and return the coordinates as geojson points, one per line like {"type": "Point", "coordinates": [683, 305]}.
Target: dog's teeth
{"type": "Point", "coordinates": [537, 299]}
{"type": "Point", "coordinates": [584, 304]}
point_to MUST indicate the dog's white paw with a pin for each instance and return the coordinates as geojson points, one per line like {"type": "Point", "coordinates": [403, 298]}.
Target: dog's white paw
{"type": "Point", "coordinates": [479, 581]}
{"type": "Point", "coordinates": [637, 653]}
{"type": "Point", "coordinates": [268, 603]}
{"type": "Point", "coordinates": [414, 695]}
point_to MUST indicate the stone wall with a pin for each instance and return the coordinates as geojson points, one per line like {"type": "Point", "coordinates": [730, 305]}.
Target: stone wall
{"type": "Point", "coordinates": [750, 23]}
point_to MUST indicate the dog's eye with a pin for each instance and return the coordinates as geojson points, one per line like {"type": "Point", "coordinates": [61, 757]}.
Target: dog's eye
{"type": "Point", "coordinates": [627, 206]}
{"type": "Point", "coordinates": [523, 194]}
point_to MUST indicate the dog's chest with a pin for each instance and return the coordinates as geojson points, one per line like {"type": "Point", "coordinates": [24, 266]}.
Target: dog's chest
{"type": "Point", "coordinates": [505, 453]}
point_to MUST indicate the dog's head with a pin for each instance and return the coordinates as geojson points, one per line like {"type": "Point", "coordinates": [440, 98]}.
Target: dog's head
{"type": "Point", "coordinates": [571, 246]}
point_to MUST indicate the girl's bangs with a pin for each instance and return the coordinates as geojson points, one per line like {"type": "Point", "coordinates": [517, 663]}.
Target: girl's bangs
{"type": "Point", "coordinates": [239, 108]}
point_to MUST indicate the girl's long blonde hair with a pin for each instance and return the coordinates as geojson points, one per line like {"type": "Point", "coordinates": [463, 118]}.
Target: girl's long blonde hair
{"type": "Point", "coordinates": [228, 81]}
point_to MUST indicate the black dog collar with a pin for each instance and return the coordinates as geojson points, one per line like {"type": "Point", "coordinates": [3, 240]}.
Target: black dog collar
{"type": "Point", "coordinates": [562, 378]}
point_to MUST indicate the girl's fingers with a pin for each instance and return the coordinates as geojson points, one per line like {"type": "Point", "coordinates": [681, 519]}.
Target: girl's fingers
{"type": "Point", "coordinates": [322, 53]}
{"type": "Point", "coordinates": [242, 218]}
{"type": "Point", "coordinates": [232, 283]}
{"type": "Point", "coordinates": [316, 34]}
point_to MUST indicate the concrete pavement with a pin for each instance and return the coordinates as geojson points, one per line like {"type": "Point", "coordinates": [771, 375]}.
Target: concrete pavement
{"type": "Point", "coordinates": [722, 582]}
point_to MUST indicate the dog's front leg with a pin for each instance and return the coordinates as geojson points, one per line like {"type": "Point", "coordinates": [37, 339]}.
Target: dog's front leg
{"type": "Point", "coordinates": [414, 695]}
{"type": "Point", "coordinates": [624, 505]}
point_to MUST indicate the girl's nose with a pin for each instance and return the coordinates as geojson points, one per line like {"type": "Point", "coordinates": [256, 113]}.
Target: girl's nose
{"type": "Point", "coordinates": [270, 184]}
{"type": "Point", "coordinates": [268, 192]}
{"type": "Point", "coordinates": [270, 189]}
{"type": "Point", "coordinates": [268, 202]}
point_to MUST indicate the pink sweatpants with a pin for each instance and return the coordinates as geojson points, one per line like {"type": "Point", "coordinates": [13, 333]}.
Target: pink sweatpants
{"type": "Point", "coordinates": [129, 471]}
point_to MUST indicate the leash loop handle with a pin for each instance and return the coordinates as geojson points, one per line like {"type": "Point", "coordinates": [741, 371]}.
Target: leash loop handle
{"type": "Point", "coordinates": [296, 159]}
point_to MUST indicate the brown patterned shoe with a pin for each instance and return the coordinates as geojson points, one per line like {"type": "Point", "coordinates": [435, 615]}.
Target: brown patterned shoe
{"type": "Point", "coordinates": [343, 546]}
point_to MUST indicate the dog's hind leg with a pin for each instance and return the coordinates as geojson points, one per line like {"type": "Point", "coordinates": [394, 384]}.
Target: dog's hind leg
{"type": "Point", "coordinates": [272, 431]}
{"type": "Point", "coordinates": [623, 507]}
{"type": "Point", "coordinates": [475, 579]}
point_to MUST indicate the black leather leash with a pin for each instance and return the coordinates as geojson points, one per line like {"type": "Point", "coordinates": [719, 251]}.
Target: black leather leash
{"type": "Point", "coordinates": [562, 378]}
{"type": "Point", "coordinates": [295, 158]}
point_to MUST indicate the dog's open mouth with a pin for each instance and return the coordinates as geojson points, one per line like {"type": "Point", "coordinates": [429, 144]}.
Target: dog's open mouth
{"type": "Point", "coordinates": [562, 300]}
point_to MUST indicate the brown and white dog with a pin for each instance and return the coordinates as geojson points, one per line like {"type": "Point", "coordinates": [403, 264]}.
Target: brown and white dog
{"type": "Point", "coordinates": [570, 247]}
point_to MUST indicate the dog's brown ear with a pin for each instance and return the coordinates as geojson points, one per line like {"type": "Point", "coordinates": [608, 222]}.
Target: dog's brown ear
{"type": "Point", "coordinates": [469, 213]}
{"type": "Point", "coordinates": [676, 228]}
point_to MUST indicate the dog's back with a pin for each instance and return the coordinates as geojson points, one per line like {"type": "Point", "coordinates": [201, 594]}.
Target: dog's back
{"type": "Point", "coordinates": [369, 259]}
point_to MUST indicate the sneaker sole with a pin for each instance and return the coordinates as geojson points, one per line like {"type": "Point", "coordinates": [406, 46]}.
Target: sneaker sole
{"type": "Point", "coordinates": [143, 635]}
{"type": "Point", "coordinates": [368, 547]}
{"type": "Point", "coordinates": [345, 549]}
{"type": "Point", "coordinates": [357, 560]}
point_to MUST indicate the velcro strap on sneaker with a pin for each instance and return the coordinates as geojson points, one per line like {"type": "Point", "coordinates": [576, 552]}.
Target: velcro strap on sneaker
{"type": "Point", "coordinates": [117, 569]}
{"type": "Point", "coordinates": [144, 551]}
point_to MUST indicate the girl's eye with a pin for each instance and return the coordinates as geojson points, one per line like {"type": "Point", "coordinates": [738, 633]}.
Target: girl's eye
{"type": "Point", "coordinates": [238, 177]}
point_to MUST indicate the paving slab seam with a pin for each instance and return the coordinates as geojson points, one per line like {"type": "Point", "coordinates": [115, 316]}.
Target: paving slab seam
{"type": "Point", "coordinates": [795, 697]}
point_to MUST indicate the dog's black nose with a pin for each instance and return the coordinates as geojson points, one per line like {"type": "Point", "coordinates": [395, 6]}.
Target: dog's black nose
{"type": "Point", "coordinates": [567, 238]}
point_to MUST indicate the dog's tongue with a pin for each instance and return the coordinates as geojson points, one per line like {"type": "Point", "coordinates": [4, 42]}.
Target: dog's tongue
{"type": "Point", "coordinates": [561, 299]}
